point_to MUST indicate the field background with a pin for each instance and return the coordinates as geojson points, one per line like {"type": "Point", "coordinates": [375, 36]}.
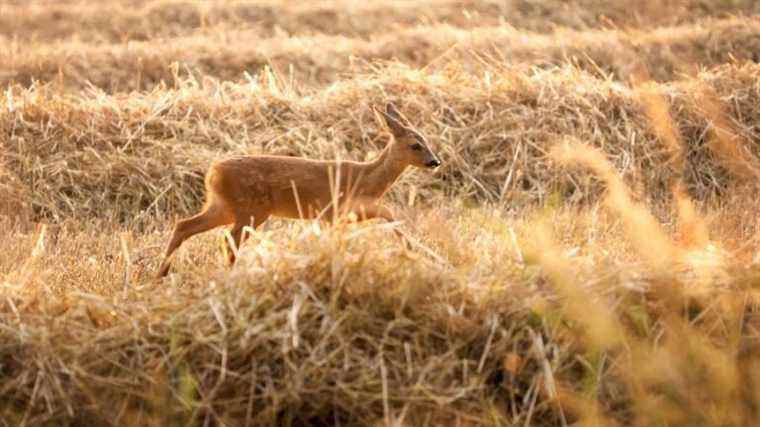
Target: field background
{"type": "Point", "coordinates": [587, 254]}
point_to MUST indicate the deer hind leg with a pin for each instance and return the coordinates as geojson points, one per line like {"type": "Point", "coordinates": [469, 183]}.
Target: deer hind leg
{"type": "Point", "coordinates": [212, 216]}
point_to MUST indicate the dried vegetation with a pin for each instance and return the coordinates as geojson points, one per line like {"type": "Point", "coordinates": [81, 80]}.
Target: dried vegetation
{"type": "Point", "coordinates": [586, 255]}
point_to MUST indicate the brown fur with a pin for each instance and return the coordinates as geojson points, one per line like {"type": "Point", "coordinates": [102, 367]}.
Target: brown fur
{"type": "Point", "coordinates": [248, 190]}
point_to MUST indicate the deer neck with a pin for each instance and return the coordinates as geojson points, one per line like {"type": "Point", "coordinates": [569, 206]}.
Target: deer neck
{"type": "Point", "coordinates": [382, 172]}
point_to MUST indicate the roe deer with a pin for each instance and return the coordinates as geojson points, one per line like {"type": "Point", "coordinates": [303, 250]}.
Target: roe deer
{"type": "Point", "coordinates": [248, 190]}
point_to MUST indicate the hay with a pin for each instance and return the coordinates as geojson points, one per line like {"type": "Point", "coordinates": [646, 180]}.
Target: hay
{"type": "Point", "coordinates": [117, 21]}
{"type": "Point", "coordinates": [344, 325]}
{"type": "Point", "coordinates": [285, 339]}
{"type": "Point", "coordinates": [521, 301]}
{"type": "Point", "coordinates": [318, 60]}
{"type": "Point", "coordinates": [116, 156]}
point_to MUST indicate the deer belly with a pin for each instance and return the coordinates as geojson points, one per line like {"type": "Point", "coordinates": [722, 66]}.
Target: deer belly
{"type": "Point", "coordinates": [305, 206]}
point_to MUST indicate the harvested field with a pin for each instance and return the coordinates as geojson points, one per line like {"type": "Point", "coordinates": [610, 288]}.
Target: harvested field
{"type": "Point", "coordinates": [587, 253]}
{"type": "Point", "coordinates": [147, 20]}
{"type": "Point", "coordinates": [663, 54]}
{"type": "Point", "coordinates": [117, 21]}
{"type": "Point", "coordinates": [150, 150]}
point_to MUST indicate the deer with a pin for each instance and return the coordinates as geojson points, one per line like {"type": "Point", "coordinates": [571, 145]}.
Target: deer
{"type": "Point", "coordinates": [248, 190]}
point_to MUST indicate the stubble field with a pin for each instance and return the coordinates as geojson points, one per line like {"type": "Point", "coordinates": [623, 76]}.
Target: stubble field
{"type": "Point", "coordinates": [587, 254]}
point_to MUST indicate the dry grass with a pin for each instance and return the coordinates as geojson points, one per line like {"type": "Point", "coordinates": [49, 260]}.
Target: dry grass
{"type": "Point", "coordinates": [663, 54]}
{"type": "Point", "coordinates": [525, 330]}
{"type": "Point", "coordinates": [587, 254]}
{"type": "Point", "coordinates": [344, 325]}
{"type": "Point", "coordinates": [147, 152]}
{"type": "Point", "coordinates": [121, 20]}
{"type": "Point", "coordinates": [117, 21]}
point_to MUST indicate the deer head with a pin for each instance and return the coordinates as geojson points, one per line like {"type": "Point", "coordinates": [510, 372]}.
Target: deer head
{"type": "Point", "coordinates": [408, 145]}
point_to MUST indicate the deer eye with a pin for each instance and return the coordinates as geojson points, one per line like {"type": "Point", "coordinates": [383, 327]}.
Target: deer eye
{"type": "Point", "coordinates": [416, 146]}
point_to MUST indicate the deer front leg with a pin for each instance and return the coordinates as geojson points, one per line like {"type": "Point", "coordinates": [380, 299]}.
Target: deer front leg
{"type": "Point", "coordinates": [367, 211]}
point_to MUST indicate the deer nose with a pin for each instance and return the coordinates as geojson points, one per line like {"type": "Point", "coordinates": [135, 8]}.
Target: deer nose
{"type": "Point", "coordinates": [433, 163]}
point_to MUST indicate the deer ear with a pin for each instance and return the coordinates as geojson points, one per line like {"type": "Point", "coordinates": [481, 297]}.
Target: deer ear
{"type": "Point", "coordinates": [393, 120]}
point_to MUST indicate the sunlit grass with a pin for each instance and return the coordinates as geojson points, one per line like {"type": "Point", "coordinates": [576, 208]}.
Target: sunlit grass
{"type": "Point", "coordinates": [586, 255]}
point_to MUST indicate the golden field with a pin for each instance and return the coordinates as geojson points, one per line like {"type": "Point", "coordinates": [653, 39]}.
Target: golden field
{"type": "Point", "coordinates": [587, 254]}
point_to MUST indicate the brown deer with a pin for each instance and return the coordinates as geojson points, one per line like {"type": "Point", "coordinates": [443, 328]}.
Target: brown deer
{"type": "Point", "coordinates": [248, 190]}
